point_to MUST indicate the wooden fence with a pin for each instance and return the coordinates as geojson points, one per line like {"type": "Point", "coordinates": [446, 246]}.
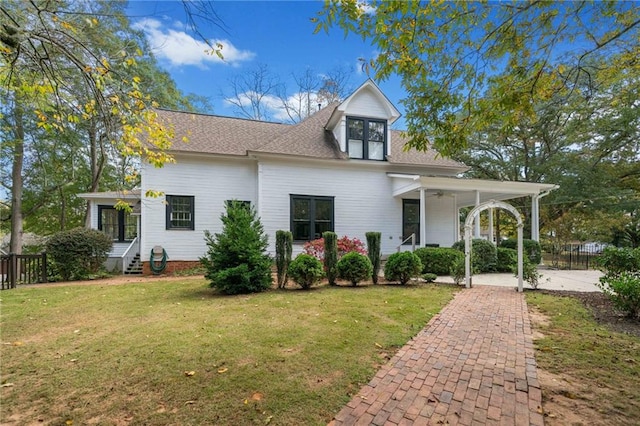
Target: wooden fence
{"type": "Point", "coordinates": [22, 269]}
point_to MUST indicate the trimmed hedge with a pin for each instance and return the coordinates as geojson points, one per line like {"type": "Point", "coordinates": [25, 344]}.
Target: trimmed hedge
{"type": "Point", "coordinates": [402, 267]}
{"type": "Point", "coordinates": [484, 255]}
{"type": "Point", "coordinates": [354, 267]}
{"type": "Point", "coordinates": [374, 240]}
{"type": "Point", "coordinates": [507, 260]}
{"type": "Point", "coordinates": [306, 270]}
{"type": "Point", "coordinates": [531, 248]}
{"type": "Point", "coordinates": [438, 261]}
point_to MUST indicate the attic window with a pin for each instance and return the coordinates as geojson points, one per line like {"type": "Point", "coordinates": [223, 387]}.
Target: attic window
{"type": "Point", "coordinates": [367, 139]}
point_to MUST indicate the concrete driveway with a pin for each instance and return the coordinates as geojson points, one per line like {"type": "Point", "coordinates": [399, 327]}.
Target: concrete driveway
{"type": "Point", "coordinates": [551, 280]}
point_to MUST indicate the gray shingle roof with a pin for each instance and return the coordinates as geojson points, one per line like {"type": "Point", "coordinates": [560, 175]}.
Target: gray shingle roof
{"type": "Point", "coordinates": [212, 134]}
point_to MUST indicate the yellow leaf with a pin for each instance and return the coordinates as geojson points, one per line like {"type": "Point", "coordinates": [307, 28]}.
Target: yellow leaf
{"type": "Point", "coordinates": [222, 370]}
{"type": "Point", "coordinates": [189, 373]}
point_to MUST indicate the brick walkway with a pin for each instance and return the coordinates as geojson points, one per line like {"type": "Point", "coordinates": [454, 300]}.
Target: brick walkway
{"type": "Point", "coordinates": [472, 365]}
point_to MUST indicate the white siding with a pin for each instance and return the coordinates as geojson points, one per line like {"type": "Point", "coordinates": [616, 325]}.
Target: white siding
{"type": "Point", "coordinates": [211, 182]}
{"type": "Point", "coordinates": [362, 202]}
{"type": "Point", "coordinates": [441, 218]}
{"type": "Point", "coordinates": [367, 104]}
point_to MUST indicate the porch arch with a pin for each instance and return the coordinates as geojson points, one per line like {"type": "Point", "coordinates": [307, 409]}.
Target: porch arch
{"type": "Point", "coordinates": [467, 236]}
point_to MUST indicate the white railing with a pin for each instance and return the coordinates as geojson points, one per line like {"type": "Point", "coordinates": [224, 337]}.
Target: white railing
{"type": "Point", "coordinates": [129, 254]}
{"type": "Point", "coordinates": [411, 237]}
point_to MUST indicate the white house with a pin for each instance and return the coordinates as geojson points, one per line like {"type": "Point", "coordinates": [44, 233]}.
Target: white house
{"type": "Point", "coordinates": [342, 169]}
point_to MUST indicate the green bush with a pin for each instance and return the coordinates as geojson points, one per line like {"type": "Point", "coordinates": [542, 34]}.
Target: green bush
{"type": "Point", "coordinates": [530, 273]}
{"type": "Point", "coordinates": [354, 267]}
{"type": "Point", "coordinates": [531, 248]}
{"type": "Point", "coordinates": [374, 252]}
{"type": "Point", "coordinates": [79, 252]}
{"type": "Point", "coordinates": [429, 277]}
{"type": "Point", "coordinates": [331, 256]}
{"type": "Point", "coordinates": [284, 247]}
{"type": "Point", "coordinates": [507, 260]}
{"type": "Point", "coordinates": [457, 271]}
{"type": "Point", "coordinates": [614, 261]}
{"type": "Point", "coordinates": [402, 267]}
{"type": "Point", "coordinates": [624, 291]}
{"type": "Point", "coordinates": [236, 260]}
{"type": "Point", "coordinates": [484, 255]}
{"type": "Point", "coordinates": [306, 270]}
{"type": "Point", "coordinates": [438, 260]}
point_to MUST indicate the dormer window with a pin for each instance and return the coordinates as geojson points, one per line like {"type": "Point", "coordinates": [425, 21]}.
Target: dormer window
{"type": "Point", "coordinates": [367, 139]}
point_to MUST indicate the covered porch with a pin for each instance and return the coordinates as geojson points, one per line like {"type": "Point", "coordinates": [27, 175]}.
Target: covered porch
{"type": "Point", "coordinates": [436, 195]}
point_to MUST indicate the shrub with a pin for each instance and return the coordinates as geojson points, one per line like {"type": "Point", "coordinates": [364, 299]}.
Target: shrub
{"type": "Point", "coordinates": [484, 255]}
{"type": "Point", "coordinates": [614, 261]}
{"type": "Point", "coordinates": [624, 291]}
{"type": "Point", "coordinates": [354, 267]}
{"type": "Point", "coordinates": [284, 247]}
{"type": "Point", "coordinates": [507, 260]}
{"type": "Point", "coordinates": [236, 259]}
{"type": "Point", "coordinates": [331, 258]}
{"type": "Point", "coordinates": [402, 267]}
{"type": "Point", "coordinates": [531, 248]}
{"type": "Point", "coordinates": [457, 271]}
{"type": "Point", "coordinates": [373, 252]}
{"type": "Point", "coordinates": [438, 260]}
{"type": "Point", "coordinates": [429, 277]}
{"type": "Point", "coordinates": [306, 270]}
{"type": "Point", "coordinates": [79, 252]}
{"type": "Point", "coordinates": [345, 245]}
{"type": "Point", "coordinates": [530, 273]}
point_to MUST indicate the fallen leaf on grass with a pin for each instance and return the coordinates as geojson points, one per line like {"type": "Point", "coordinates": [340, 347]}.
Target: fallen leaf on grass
{"type": "Point", "coordinates": [189, 373]}
{"type": "Point", "coordinates": [257, 396]}
{"type": "Point", "coordinates": [222, 370]}
{"type": "Point", "coordinates": [6, 385]}
{"type": "Point", "coordinates": [191, 402]}
{"type": "Point", "coordinates": [378, 345]}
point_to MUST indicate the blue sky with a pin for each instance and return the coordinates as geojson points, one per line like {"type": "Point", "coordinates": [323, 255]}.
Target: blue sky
{"type": "Point", "coordinates": [278, 34]}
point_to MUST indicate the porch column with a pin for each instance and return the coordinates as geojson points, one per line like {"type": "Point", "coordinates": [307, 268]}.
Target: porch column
{"type": "Point", "coordinates": [535, 218]}
{"type": "Point", "coordinates": [492, 237]}
{"type": "Point", "coordinates": [476, 224]}
{"type": "Point", "coordinates": [456, 220]}
{"type": "Point", "coordinates": [423, 217]}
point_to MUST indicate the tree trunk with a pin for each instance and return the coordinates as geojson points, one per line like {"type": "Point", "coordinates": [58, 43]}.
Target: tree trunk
{"type": "Point", "coordinates": [97, 159]}
{"type": "Point", "coordinates": [15, 245]}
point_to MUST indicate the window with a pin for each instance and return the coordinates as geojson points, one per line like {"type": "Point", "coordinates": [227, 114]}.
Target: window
{"type": "Point", "coordinates": [180, 212]}
{"type": "Point", "coordinates": [411, 219]}
{"type": "Point", "coordinates": [118, 224]}
{"type": "Point", "coordinates": [366, 139]}
{"type": "Point", "coordinates": [310, 216]}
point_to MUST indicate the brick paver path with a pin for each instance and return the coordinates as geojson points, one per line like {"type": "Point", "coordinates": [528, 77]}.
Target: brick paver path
{"type": "Point", "coordinates": [472, 365]}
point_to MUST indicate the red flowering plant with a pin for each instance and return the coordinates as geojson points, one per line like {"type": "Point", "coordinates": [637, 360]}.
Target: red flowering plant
{"type": "Point", "coordinates": [345, 245]}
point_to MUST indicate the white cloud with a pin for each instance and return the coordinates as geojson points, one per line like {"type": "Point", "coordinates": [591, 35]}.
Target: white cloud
{"type": "Point", "coordinates": [179, 48]}
{"type": "Point", "coordinates": [273, 107]}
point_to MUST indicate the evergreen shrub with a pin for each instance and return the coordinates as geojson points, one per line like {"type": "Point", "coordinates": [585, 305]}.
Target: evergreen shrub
{"type": "Point", "coordinates": [236, 260]}
{"type": "Point", "coordinates": [330, 256]}
{"type": "Point", "coordinates": [402, 267]}
{"type": "Point", "coordinates": [284, 247]}
{"type": "Point", "coordinates": [531, 248]}
{"type": "Point", "coordinates": [374, 240]}
{"type": "Point", "coordinates": [78, 253]}
{"type": "Point", "coordinates": [438, 260]}
{"type": "Point", "coordinates": [306, 270]}
{"type": "Point", "coordinates": [354, 267]}
{"type": "Point", "coordinates": [484, 255]}
{"type": "Point", "coordinates": [507, 260]}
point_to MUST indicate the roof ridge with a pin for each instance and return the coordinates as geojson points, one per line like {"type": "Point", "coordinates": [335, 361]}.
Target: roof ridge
{"type": "Point", "coordinates": [204, 114]}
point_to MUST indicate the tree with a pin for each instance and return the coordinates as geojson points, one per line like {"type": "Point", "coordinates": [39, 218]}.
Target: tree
{"type": "Point", "coordinates": [77, 91]}
{"type": "Point", "coordinates": [236, 259]}
{"type": "Point", "coordinates": [446, 53]}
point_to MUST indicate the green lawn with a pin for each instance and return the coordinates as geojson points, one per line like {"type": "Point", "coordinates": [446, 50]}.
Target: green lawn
{"type": "Point", "coordinates": [173, 352]}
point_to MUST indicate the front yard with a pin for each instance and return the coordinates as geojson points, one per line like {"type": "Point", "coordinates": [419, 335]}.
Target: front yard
{"type": "Point", "coordinates": [172, 352]}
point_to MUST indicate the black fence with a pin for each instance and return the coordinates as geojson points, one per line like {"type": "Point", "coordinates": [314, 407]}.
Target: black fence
{"type": "Point", "coordinates": [573, 256]}
{"type": "Point", "coordinates": [22, 269]}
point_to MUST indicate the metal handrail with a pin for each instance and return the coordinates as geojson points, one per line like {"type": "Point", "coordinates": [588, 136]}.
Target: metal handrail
{"type": "Point", "coordinates": [411, 237]}
{"type": "Point", "coordinates": [129, 254]}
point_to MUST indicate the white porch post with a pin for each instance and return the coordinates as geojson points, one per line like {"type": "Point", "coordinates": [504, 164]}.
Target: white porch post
{"type": "Point", "coordinates": [423, 218]}
{"type": "Point", "coordinates": [535, 218]}
{"type": "Point", "coordinates": [492, 237]}
{"type": "Point", "coordinates": [456, 219]}
{"type": "Point", "coordinates": [476, 227]}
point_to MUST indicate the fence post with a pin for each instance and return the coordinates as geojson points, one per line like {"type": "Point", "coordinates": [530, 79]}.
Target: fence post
{"type": "Point", "coordinates": [11, 270]}
{"type": "Point", "coordinates": [44, 267]}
